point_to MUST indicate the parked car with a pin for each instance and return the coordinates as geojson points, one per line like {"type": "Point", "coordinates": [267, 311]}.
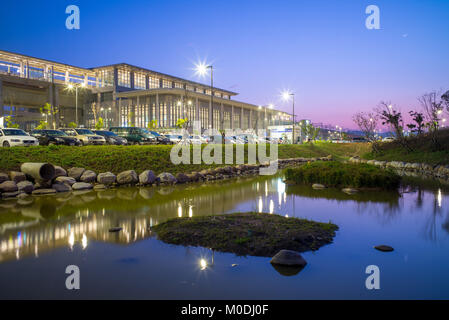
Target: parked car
{"type": "Point", "coordinates": [160, 138]}
{"type": "Point", "coordinates": [16, 137]}
{"type": "Point", "coordinates": [174, 138]}
{"type": "Point", "coordinates": [54, 137]}
{"type": "Point", "coordinates": [388, 139]}
{"type": "Point", "coordinates": [111, 137]}
{"type": "Point", "coordinates": [359, 139]}
{"type": "Point", "coordinates": [85, 136]}
{"type": "Point", "coordinates": [196, 140]}
{"type": "Point", "coordinates": [135, 135]}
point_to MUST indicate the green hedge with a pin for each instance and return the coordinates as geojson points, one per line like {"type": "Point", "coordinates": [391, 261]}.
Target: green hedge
{"type": "Point", "coordinates": [337, 174]}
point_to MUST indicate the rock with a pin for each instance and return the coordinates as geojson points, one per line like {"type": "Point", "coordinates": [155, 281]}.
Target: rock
{"type": "Point", "coordinates": [67, 180]}
{"type": "Point", "coordinates": [384, 248]}
{"type": "Point", "coordinates": [194, 176]}
{"type": "Point", "coordinates": [182, 178]}
{"type": "Point", "coordinates": [76, 173]}
{"type": "Point", "coordinates": [60, 172]}
{"type": "Point", "coordinates": [43, 185]}
{"type": "Point", "coordinates": [349, 190]}
{"type": "Point", "coordinates": [88, 176]}
{"type": "Point", "coordinates": [318, 186]}
{"type": "Point", "coordinates": [8, 186]}
{"type": "Point", "coordinates": [17, 176]}
{"type": "Point", "coordinates": [8, 195]}
{"type": "Point", "coordinates": [3, 177]}
{"type": "Point", "coordinates": [288, 258]}
{"type": "Point", "coordinates": [100, 187]}
{"type": "Point", "coordinates": [25, 186]}
{"type": "Point", "coordinates": [23, 196]}
{"type": "Point", "coordinates": [41, 192]}
{"type": "Point", "coordinates": [167, 178]}
{"type": "Point", "coordinates": [106, 178]}
{"type": "Point", "coordinates": [82, 186]}
{"type": "Point", "coordinates": [127, 177]}
{"type": "Point", "coordinates": [147, 177]}
{"type": "Point", "coordinates": [113, 230]}
{"type": "Point", "coordinates": [61, 187]}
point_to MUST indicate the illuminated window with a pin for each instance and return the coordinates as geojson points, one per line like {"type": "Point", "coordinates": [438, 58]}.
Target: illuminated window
{"type": "Point", "coordinates": [139, 81]}
{"type": "Point", "coordinates": [199, 90]}
{"type": "Point", "coordinates": [153, 82]}
{"type": "Point", "coordinates": [208, 92]}
{"type": "Point", "coordinates": [106, 78]}
{"type": "Point", "coordinates": [190, 88]}
{"type": "Point", "coordinates": [179, 85]}
{"type": "Point", "coordinates": [124, 79]}
{"type": "Point", "coordinates": [217, 94]}
{"type": "Point", "coordinates": [166, 84]}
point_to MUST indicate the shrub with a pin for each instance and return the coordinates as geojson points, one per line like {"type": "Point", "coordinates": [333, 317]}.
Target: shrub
{"type": "Point", "coordinates": [337, 174]}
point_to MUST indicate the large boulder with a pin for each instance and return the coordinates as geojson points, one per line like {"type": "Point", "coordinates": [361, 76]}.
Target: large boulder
{"type": "Point", "coordinates": [106, 178]}
{"type": "Point", "coordinates": [182, 178]}
{"type": "Point", "coordinates": [67, 180]}
{"type": "Point", "coordinates": [60, 172]}
{"type": "Point", "coordinates": [88, 176]}
{"type": "Point", "coordinates": [147, 177]}
{"type": "Point", "coordinates": [318, 186]}
{"type": "Point", "coordinates": [25, 186]}
{"type": "Point", "coordinates": [167, 178]}
{"type": "Point", "coordinates": [17, 176]}
{"type": "Point", "coordinates": [76, 173]}
{"type": "Point", "coordinates": [8, 186]}
{"type": "Point", "coordinates": [82, 186]}
{"type": "Point", "coordinates": [3, 177]}
{"type": "Point", "coordinates": [127, 177]}
{"type": "Point", "coordinates": [288, 258]}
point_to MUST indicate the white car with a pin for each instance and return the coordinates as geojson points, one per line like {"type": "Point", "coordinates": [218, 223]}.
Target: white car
{"type": "Point", "coordinates": [16, 137]}
{"type": "Point", "coordinates": [174, 138]}
{"type": "Point", "coordinates": [388, 139]}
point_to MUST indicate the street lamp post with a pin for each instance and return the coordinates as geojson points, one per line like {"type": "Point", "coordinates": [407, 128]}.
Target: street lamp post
{"type": "Point", "coordinates": [76, 86]}
{"type": "Point", "coordinates": [286, 96]}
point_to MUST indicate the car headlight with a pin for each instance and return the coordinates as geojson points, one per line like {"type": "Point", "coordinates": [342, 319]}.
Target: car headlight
{"type": "Point", "coordinates": [59, 139]}
{"type": "Point", "coordinates": [90, 138]}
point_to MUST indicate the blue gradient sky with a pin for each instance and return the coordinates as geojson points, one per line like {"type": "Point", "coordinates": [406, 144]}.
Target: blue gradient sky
{"type": "Point", "coordinates": [319, 49]}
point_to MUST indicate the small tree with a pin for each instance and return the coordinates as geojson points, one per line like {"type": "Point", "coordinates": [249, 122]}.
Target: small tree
{"type": "Point", "coordinates": [389, 116]}
{"type": "Point", "coordinates": [100, 124]}
{"type": "Point", "coordinates": [48, 111]}
{"type": "Point", "coordinates": [182, 123]}
{"type": "Point", "coordinates": [73, 125]}
{"type": "Point", "coordinates": [42, 125]}
{"type": "Point", "coordinates": [418, 126]}
{"type": "Point", "coordinates": [10, 123]}
{"type": "Point", "coordinates": [310, 131]}
{"type": "Point", "coordinates": [152, 125]}
{"type": "Point", "coordinates": [367, 123]}
{"type": "Point", "coordinates": [433, 109]}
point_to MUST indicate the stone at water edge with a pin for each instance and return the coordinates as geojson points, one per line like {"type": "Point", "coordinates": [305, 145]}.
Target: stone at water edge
{"type": "Point", "coordinates": [88, 176]}
{"type": "Point", "coordinates": [82, 186]}
{"type": "Point", "coordinates": [76, 173]}
{"type": "Point", "coordinates": [127, 177]}
{"type": "Point", "coordinates": [318, 186]}
{"type": "Point", "coordinates": [147, 177]}
{"type": "Point", "coordinates": [67, 180]}
{"type": "Point", "coordinates": [167, 178]}
{"type": "Point", "coordinates": [61, 187]}
{"type": "Point", "coordinates": [17, 176]}
{"type": "Point", "coordinates": [40, 192]}
{"type": "Point", "coordinates": [106, 178]}
{"type": "Point", "coordinates": [384, 248]}
{"type": "Point", "coordinates": [25, 186]}
{"type": "Point", "coordinates": [60, 172]}
{"type": "Point", "coordinates": [182, 178]}
{"type": "Point", "coordinates": [3, 177]}
{"type": "Point", "coordinates": [350, 190]}
{"type": "Point", "coordinates": [8, 186]}
{"type": "Point", "coordinates": [288, 258]}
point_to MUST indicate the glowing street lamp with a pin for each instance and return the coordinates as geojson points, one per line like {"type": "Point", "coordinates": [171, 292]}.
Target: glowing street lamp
{"type": "Point", "coordinates": [201, 70]}
{"type": "Point", "coordinates": [286, 97]}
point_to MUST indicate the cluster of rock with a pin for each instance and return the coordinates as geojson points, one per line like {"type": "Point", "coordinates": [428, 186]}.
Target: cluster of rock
{"type": "Point", "coordinates": [21, 184]}
{"type": "Point", "coordinates": [422, 169]}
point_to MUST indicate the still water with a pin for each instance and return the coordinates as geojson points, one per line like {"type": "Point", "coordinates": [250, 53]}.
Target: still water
{"type": "Point", "coordinates": [40, 237]}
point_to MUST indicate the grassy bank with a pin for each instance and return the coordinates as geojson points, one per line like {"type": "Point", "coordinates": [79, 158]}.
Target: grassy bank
{"type": "Point", "coordinates": [255, 234]}
{"type": "Point", "coordinates": [422, 150]}
{"type": "Point", "coordinates": [334, 174]}
{"type": "Point", "coordinates": [157, 158]}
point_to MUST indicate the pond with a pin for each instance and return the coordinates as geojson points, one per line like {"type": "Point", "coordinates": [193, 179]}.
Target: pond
{"type": "Point", "coordinates": [40, 237]}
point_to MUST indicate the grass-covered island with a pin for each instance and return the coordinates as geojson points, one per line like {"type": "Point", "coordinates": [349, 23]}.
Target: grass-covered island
{"type": "Point", "coordinates": [346, 175]}
{"type": "Point", "coordinates": [254, 234]}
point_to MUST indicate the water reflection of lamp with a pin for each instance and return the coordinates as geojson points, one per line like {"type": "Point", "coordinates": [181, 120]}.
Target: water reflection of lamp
{"type": "Point", "coordinates": [84, 241]}
{"type": "Point", "coordinates": [179, 210]}
{"type": "Point", "coordinates": [271, 206]}
{"type": "Point", "coordinates": [260, 205]}
{"type": "Point", "coordinates": [203, 264]}
{"type": "Point", "coordinates": [71, 240]}
{"type": "Point", "coordinates": [439, 198]}
{"type": "Point", "coordinates": [190, 211]}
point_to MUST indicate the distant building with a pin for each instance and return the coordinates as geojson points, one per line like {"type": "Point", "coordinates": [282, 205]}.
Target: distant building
{"type": "Point", "coordinates": [122, 94]}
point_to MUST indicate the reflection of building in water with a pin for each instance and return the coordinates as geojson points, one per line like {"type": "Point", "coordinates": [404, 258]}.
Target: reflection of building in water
{"type": "Point", "coordinates": [134, 210]}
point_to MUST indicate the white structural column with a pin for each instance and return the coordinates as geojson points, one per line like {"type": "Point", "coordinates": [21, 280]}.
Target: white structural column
{"type": "Point", "coordinates": [221, 116]}
{"type": "Point", "coordinates": [250, 119]}
{"type": "Point", "coordinates": [137, 113]}
{"type": "Point", "coordinates": [158, 114]}
{"type": "Point", "coordinates": [197, 110]}
{"type": "Point", "coordinates": [1, 98]}
{"type": "Point", "coordinates": [241, 118]}
{"type": "Point", "coordinates": [232, 117]}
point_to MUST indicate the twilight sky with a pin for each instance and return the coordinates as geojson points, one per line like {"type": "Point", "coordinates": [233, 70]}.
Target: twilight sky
{"type": "Point", "coordinates": [319, 49]}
